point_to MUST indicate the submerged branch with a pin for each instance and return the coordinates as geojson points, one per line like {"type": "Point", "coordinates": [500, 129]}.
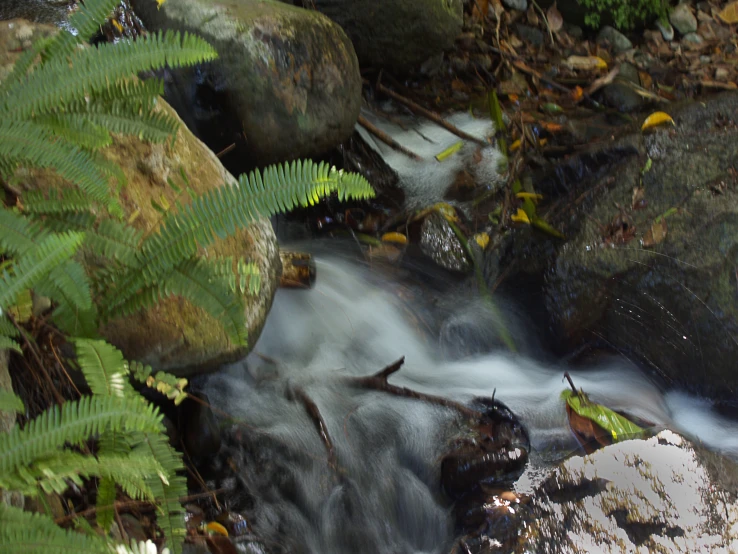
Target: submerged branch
{"type": "Point", "coordinates": [378, 382]}
{"type": "Point", "coordinates": [314, 413]}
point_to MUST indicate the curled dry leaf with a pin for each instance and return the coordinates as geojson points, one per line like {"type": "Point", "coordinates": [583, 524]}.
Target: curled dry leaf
{"type": "Point", "coordinates": [585, 63]}
{"type": "Point", "coordinates": [655, 234]}
{"type": "Point", "coordinates": [397, 238]}
{"type": "Point", "coordinates": [555, 21]}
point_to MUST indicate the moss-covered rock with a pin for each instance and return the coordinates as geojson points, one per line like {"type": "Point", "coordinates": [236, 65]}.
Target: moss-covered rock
{"type": "Point", "coordinates": [174, 335]}
{"type": "Point", "coordinates": [397, 34]}
{"type": "Point", "coordinates": [290, 75]}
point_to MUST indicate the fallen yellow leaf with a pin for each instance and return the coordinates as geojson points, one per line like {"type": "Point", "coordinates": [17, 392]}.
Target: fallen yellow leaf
{"type": "Point", "coordinates": [532, 195]}
{"type": "Point", "coordinates": [656, 118]}
{"type": "Point", "coordinates": [515, 145]}
{"type": "Point", "coordinates": [520, 217]}
{"type": "Point", "coordinates": [117, 25]}
{"type": "Point", "coordinates": [159, 3]}
{"type": "Point", "coordinates": [585, 63]}
{"type": "Point", "coordinates": [397, 238]}
{"type": "Point", "coordinates": [482, 240]}
{"type": "Point", "coordinates": [730, 13]}
{"type": "Point", "coordinates": [215, 527]}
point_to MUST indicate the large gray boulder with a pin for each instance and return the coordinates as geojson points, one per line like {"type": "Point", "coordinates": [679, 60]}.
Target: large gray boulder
{"type": "Point", "coordinates": [290, 75]}
{"type": "Point", "coordinates": [396, 34]}
{"type": "Point", "coordinates": [661, 495]}
{"type": "Point", "coordinates": [651, 261]}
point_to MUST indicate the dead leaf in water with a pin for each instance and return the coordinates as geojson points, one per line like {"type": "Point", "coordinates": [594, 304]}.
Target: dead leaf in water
{"type": "Point", "coordinates": [655, 235]}
{"type": "Point", "coordinates": [656, 118]}
{"type": "Point", "coordinates": [638, 200]}
{"type": "Point", "coordinates": [585, 63]}
{"type": "Point", "coordinates": [555, 21]}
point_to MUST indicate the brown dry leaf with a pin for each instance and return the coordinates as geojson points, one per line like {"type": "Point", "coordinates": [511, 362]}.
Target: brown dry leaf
{"type": "Point", "coordinates": [585, 63]}
{"type": "Point", "coordinates": [555, 21]}
{"type": "Point", "coordinates": [480, 9]}
{"type": "Point", "coordinates": [655, 234]}
{"type": "Point", "coordinates": [497, 9]}
{"type": "Point", "coordinates": [532, 15]}
{"type": "Point", "coordinates": [589, 435]}
{"type": "Point", "coordinates": [646, 79]}
{"type": "Point", "coordinates": [638, 200]}
{"type": "Point", "coordinates": [730, 13]}
{"type": "Point", "coordinates": [716, 84]}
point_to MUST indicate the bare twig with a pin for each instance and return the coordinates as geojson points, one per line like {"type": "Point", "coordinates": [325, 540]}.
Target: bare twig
{"type": "Point", "coordinates": [434, 117]}
{"type": "Point", "coordinates": [314, 413]}
{"type": "Point", "coordinates": [385, 138]}
{"type": "Point", "coordinates": [378, 382]}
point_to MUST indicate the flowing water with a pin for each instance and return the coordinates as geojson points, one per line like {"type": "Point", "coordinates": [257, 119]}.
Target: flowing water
{"type": "Point", "coordinates": [384, 495]}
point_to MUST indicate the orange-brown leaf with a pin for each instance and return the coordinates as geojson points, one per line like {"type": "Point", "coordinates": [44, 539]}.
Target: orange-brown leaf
{"type": "Point", "coordinates": [730, 13]}
{"type": "Point", "coordinates": [555, 21]}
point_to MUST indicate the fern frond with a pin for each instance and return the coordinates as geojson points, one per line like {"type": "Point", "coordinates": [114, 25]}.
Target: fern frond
{"type": "Point", "coordinates": [144, 92]}
{"type": "Point", "coordinates": [75, 322]}
{"type": "Point", "coordinates": [66, 221]}
{"type": "Point", "coordinates": [25, 142]}
{"type": "Point", "coordinates": [73, 423]}
{"type": "Point", "coordinates": [93, 69]}
{"type": "Point", "coordinates": [68, 284]}
{"type": "Point", "coordinates": [106, 494]}
{"type": "Point", "coordinates": [242, 276]}
{"type": "Point", "coordinates": [23, 64]}
{"type": "Point", "coordinates": [220, 211]}
{"type": "Point", "coordinates": [36, 263]}
{"type": "Point", "coordinates": [29, 533]}
{"type": "Point", "coordinates": [115, 241]}
{"type": "Point", "coordinates": [76, 129]}
{"type": "Point", "coordinates": [166, 383]}
{"type": "Point", "coordinates": [131, 119]}
{"type": "Point", "coordinates": [103, 366]}
{"type": "Point", "coordinates": [55, 201]}
{"type": "Point", "coordinates": [7, 329]}
{"type": "Point", "coordinates": [167, 491]}
{"type": "Point", "coordinates": [6, 343]}
{"type": "Point", "coordinates": [197, 281]}
{"type": "Point", "coordinates": [10, 402]}
{"type": "Point", "coordinates": [18, 234]}
{"type": "Point", "coordinates": [88, 17]}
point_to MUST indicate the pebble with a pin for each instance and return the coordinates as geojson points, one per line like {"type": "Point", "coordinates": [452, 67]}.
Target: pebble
{"type": "Point", "coordinates": [618, 40]}
{"type": "Point", "coordinates": [520, 5]}
{"type": "Point", "coordinates": [683, 19]}
{"type": "Point", "coordinates": [721, 74]}
{"type": "Point", "coordinates": [692, 38]}
{"type": "Point", "coordinates": [667, 31]}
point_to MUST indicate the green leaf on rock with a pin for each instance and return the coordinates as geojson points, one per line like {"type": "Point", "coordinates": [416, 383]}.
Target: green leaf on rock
{"type": "Point", "coordinates": [616, 425]}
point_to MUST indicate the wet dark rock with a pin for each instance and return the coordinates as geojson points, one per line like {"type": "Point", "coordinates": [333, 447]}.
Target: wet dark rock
{"type": "Point", "coordinates": [398, 34]}
{"type": "Point", "coordinates": [531, 35]}
{"type": "Point", "coordinates": [682, 18]}
{"type": "Point", "coordinates": [51, 12]}
{"type": "Point", "coordinates": [671, 302]}
{"type": "Point", "coordinates": [617, 40]}
{"type": "Point", "coordinates": [198, 428]}
{"type": "Point", "coordinates": [439, 242]}
{"type": "Point", "coordinates": [657, 495]}
{"type": "Point", "coordinates": [288, 77]}
{"type": "Point", "coordinates": [621, 96]}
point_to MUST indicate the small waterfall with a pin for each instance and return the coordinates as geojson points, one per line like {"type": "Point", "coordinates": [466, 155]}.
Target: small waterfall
{"type": "Point", "coordinates": [384, 495]}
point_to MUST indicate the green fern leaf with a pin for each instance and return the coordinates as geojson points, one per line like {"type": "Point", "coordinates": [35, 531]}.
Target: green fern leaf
{"type": "Point", "coordinates": [220, 211]}
{"type": "Point", "coordinates": [76, 128]}
{"type": "Point", "coordinates": [67, 221]}
{"type": "Point", "coordinates": [103, 366]}
{"type": "Point", "coordinates": [10, 402]}
{"type": "Point", "coordinates": [7, 329]}
{"type": "Point", "coordinates": [106, 494]}
{"type": "Point", "coordinates": [88, 17]}
{"type": "Point", "coordinates": [28, 143]}
{"type": "Point", "coordinates": [73, 423]}
{"type": "Point", "coordinates": [132, 119]}
{"type": "Point", "coordinates": [166, 383]}
{"type": "Point", "coordinates": [28, 533]}
{"type": "Point", "coordinates": [167, 492]}
{"type": "Point", "coordinates": [6, 343]}
{"type": "Point", "coordinates": [132, 90]}
{"type": "Point", "coordinates": [93, 69]}
{"type": "Point", "coordinates": [68, 283]}
{"type": "Point", "coordinates": [36, 263]}
{"type": "Point", "coordinates": [55, 201]}
{"type": "Point", "coordinates": [18, 234]}
{"type": "Point", "coordinates": [115, 241]}
{"type": "Point", "coordinates": [23, 64]}
{"type": "Point", "coordinates": [75, 322]}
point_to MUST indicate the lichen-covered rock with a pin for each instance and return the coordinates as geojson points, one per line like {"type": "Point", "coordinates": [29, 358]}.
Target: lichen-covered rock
{"type": "Point", "coordinates": [290, 75]}
{"type": "Point", "coordinates": [660, 495]}
{"type": "Point", "coordinates": [397, 34]}
{"type": "Point", "coordinates": [650, 262]}
{"type": "Point", "coordinates": [173, 335]}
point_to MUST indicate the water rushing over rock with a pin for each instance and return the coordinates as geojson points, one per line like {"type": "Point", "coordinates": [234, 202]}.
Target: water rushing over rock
{"type": "Point", "coordinates": [382, 494]}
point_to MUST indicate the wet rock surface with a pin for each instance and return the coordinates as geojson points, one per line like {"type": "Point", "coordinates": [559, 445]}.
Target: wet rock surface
{"type": "Point", "coordinates": [660, 495]}
{"type": "Point", "coordinates": [439, 242]}
{"type": "Point", "coordinates": [650, 261]}
{"type": "Point", "coordinates": [400, 35]}
{"type": "Point", "coordinates": [287, 78]}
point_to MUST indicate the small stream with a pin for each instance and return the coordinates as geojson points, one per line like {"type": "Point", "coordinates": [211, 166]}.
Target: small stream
{"type": "Point", "coordinates": [356, 320]}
